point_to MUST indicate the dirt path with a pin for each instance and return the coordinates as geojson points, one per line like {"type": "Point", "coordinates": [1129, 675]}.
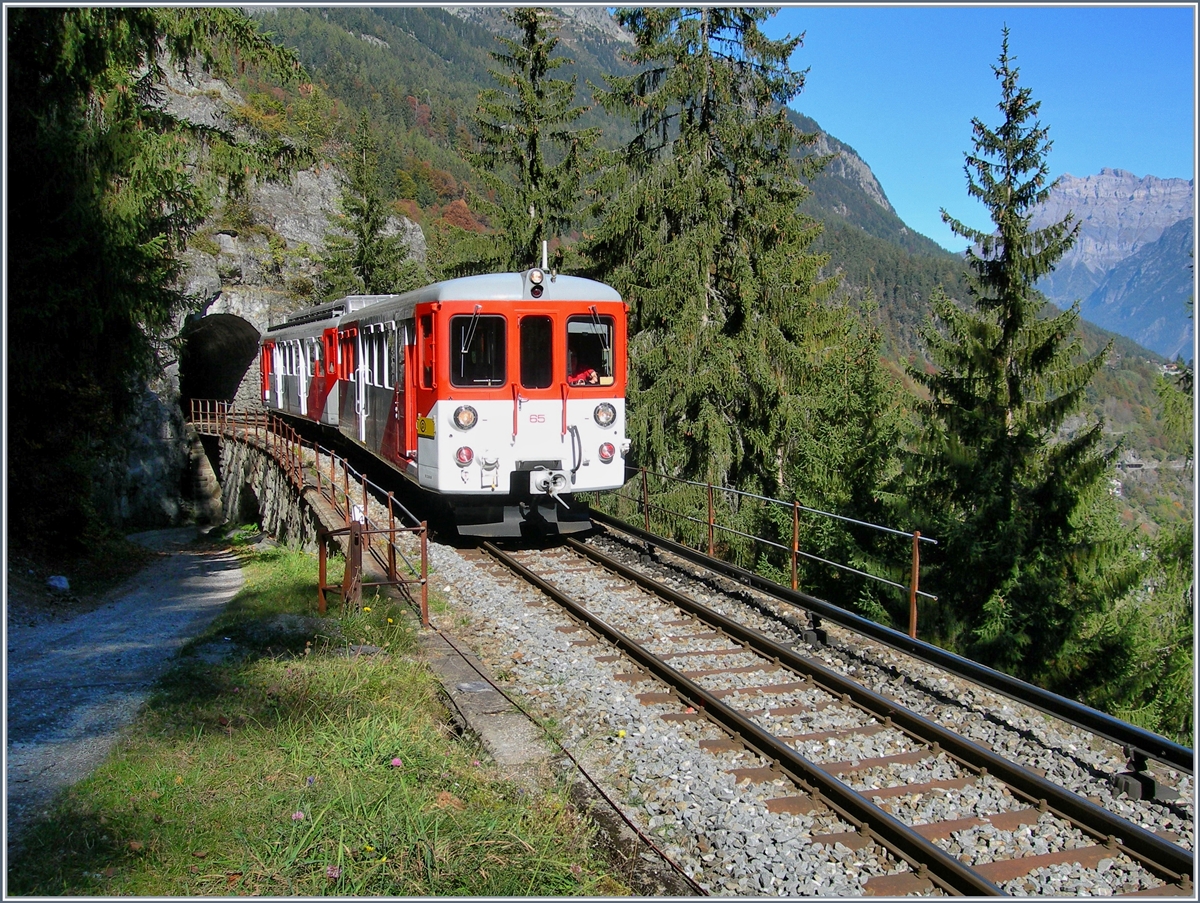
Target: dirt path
{"type": "Point", "coordinates": [74, 685]}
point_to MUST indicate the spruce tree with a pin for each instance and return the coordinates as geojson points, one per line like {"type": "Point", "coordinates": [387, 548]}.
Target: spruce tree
{"type": "Point", "coordinates": [1027, 556]}
{"type": "Point", "coordinates": [701, 233]}
{"type": "Point", "coordinates": [532, 159]}
{"type": "Point", "coordinates": [363, 256]}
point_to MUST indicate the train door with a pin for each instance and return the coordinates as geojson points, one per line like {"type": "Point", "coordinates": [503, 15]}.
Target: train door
{"type": "Point", "coordinates": [264, 366]}
{"type": "Point", "coordinates": [535, 423]}
{"type": "Point", "coordinates": [361, 386]}
{"type": "Point", "coordinates": [406, 378]}
{"type": "Point", "coordinates": [397, 442]}
{"type": "Point", "coordinates": [348, 382]}
{"type": "Point", "coordinates": [325, 410]}
{"type": "Point", "coordinates": [378, 390]}
{"type": "Point", "coordinates": [424, 381]}
{"type": "Point", "coordinates": [304, 371]}
{"type": "Point", "coordinates": [279, 367]}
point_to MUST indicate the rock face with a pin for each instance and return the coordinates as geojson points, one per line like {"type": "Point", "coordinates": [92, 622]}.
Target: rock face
{"type": "Point", "coordinates": [1119, 214]}
{"type": "Point", "coordinates": [1145, 295]}
{"type": "Point", "coordinates": [583, 19]}
{"type": "Point", "coordinates": [848, 165]}
{"type": "Point", "coordinates": [255, 259]}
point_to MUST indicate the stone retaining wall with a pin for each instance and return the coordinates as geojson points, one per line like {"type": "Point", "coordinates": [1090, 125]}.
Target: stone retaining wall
{"type": "Point", "coordinates": [255, 488]}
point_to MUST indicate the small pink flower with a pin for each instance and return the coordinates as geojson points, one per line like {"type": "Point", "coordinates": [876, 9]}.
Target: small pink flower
{"type": "Point", "coordinates": [396, 763]}
{"type": "Point", "coordinates": [476, 762]}
{"type": "Point", "coordinates": [333, 872]}
{"type": "Point", "coordinates": [297, 816]}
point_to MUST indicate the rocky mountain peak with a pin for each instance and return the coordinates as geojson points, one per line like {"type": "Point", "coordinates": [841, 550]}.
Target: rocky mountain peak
{"type": "Point", "coordinates": [1119, 213]}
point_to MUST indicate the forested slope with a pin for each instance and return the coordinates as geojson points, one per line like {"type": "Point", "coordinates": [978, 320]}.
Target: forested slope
{"type": "Point", "coordinates": [417, 72]}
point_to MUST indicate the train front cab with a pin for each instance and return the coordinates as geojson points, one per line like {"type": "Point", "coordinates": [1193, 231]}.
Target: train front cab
{"type": "Point", "coordinates": [517, 404]}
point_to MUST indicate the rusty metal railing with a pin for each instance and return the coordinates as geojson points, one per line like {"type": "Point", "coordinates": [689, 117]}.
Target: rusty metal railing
{"type": "Point", "coordinates": [794, 551]}
{"type": "Point", "coordinates": [349, 494]}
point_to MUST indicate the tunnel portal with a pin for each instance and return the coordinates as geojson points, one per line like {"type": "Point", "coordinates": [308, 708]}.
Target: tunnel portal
{"type": "Point", "coordinates": [216, 355]}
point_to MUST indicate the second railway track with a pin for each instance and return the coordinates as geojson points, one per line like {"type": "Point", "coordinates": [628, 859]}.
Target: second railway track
{"type": "Point", "coordinates": [760, 771]}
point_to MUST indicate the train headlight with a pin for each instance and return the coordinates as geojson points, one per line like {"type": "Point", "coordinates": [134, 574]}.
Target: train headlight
{"type": "Point", "coordinates": [464, 456]}
{"type": "Point", "coordinates": [607, 452]}
{"type": "Point", "coordinates": [536, 277]}
{"type": "Point", "coordinates": [605, 414]}
{"type": "Point", "coordinates": [465, 417]}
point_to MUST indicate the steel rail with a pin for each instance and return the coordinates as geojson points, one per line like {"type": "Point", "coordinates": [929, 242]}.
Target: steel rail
{"type": "Point", "coordinates": [1167, 858]}
{"type": "Point", "coordinates": [926, 858]}
{"type": "Point", "coordinates": [1123, 734]}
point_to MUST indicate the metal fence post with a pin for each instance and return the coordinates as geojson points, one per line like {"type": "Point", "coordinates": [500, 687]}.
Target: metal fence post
{"type": "Point", "coordinates": [711, 520]}
{"type": "Point", "coordinates": [346, 488]}
{"type": "Point", "coordinates": [795, 544]}
{"type": "Point", "coordinates": [322, 542]}
{"type": "Point", "coordinates": [424, 573]}
{"type": "Point", "coordinates": [912, 589]}
{"type": "Point", "coordinates": [391, 540]}
{"type": "Point", "coordinates": [645, 500]}
{"type": "Point", "coordinates": [352, 581]}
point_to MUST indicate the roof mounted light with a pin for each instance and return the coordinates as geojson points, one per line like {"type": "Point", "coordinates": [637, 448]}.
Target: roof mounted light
{"type": "Point", "coordinates": [536, 276]}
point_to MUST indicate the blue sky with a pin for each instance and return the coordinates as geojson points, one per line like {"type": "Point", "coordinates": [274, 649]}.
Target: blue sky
{"type": "Point", "coordinates": [900, 84]}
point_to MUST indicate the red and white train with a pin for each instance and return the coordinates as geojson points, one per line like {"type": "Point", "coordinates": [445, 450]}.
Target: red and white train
{"type": "Point", "coordinates": [502, 394]}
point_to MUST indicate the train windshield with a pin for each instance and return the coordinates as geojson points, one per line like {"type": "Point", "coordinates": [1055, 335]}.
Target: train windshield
{"type": "Point", "coordinates": [537, 345]}
{"type": "Point", "coordinates": [477, 355]}
{"type": "Point", "coordinates": [590, 350]}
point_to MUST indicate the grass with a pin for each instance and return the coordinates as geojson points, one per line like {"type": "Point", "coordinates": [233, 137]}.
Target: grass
{"type": "Point", "coordinates": [270, 761]}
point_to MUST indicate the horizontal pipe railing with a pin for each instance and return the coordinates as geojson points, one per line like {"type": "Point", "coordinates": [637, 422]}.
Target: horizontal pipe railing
{"type": "Point", "coordinates": [794, 551]}
{"type": "Point", "coordinates": [287, 448]}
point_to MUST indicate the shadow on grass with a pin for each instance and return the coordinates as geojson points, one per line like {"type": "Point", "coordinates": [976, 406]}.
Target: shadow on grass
{"type": "Point", "coordinates": [257, 675]}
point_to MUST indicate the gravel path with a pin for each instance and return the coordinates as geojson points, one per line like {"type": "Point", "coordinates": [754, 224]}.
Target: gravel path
{"type": "Point", "coordinates": [74, 685]}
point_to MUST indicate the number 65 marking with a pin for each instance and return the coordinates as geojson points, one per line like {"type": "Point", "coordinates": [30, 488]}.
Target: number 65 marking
{"type": "Point", "coordinates": [537, 418]}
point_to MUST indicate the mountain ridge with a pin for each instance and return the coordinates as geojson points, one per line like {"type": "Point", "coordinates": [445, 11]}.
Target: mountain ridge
{"type": "Point", "coordinates": [1119, 214]}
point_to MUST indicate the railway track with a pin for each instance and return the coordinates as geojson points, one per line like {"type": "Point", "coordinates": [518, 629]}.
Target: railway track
{"type": "Point", "coordinates": [833, 774]}
{"type": "Point", "coordinates": [716, 705]}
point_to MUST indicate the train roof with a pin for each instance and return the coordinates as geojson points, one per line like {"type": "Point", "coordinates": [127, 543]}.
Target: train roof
{"type": "Point", "coordinates": [487, 287]}
{"type": "Point", "coordinates": [513, 287]}
{"type": "Point", "coordinates": [330, 310]}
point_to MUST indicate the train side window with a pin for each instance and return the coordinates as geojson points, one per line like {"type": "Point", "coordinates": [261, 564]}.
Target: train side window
{"type": "Point", "coordinates": [318, 358]}
{"type": "Point", "coordinates": [346, 357]}
{"type": "Point", "coordinates": [374, 368]}
{"type": "Point", "coordinates": [590, 350]}
{"type": "Point", "coordinates": [427, 351]}
{"type": "Point", "coordinates": [380, 357]}
{"type": "Point", "coordinates": [537, 352]}
{"type": "Point", "coordinates": [329, 351]}
{"type": "Point", "coordinates": [403, 332]}
{"type": "Point", "coordinates": [477, 351]}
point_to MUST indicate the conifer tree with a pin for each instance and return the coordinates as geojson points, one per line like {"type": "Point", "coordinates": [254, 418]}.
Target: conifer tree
{"type": "Point", "coordinates": [701, 233]}
{"type": "Point", "coordinates": [363, 257]}
{"type": "Point", "coordinates": [532, 158]}
{"type": "Point", "coordinates": [106, 186]}
{"type": "Point", "coordinates": [1028, 556]}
